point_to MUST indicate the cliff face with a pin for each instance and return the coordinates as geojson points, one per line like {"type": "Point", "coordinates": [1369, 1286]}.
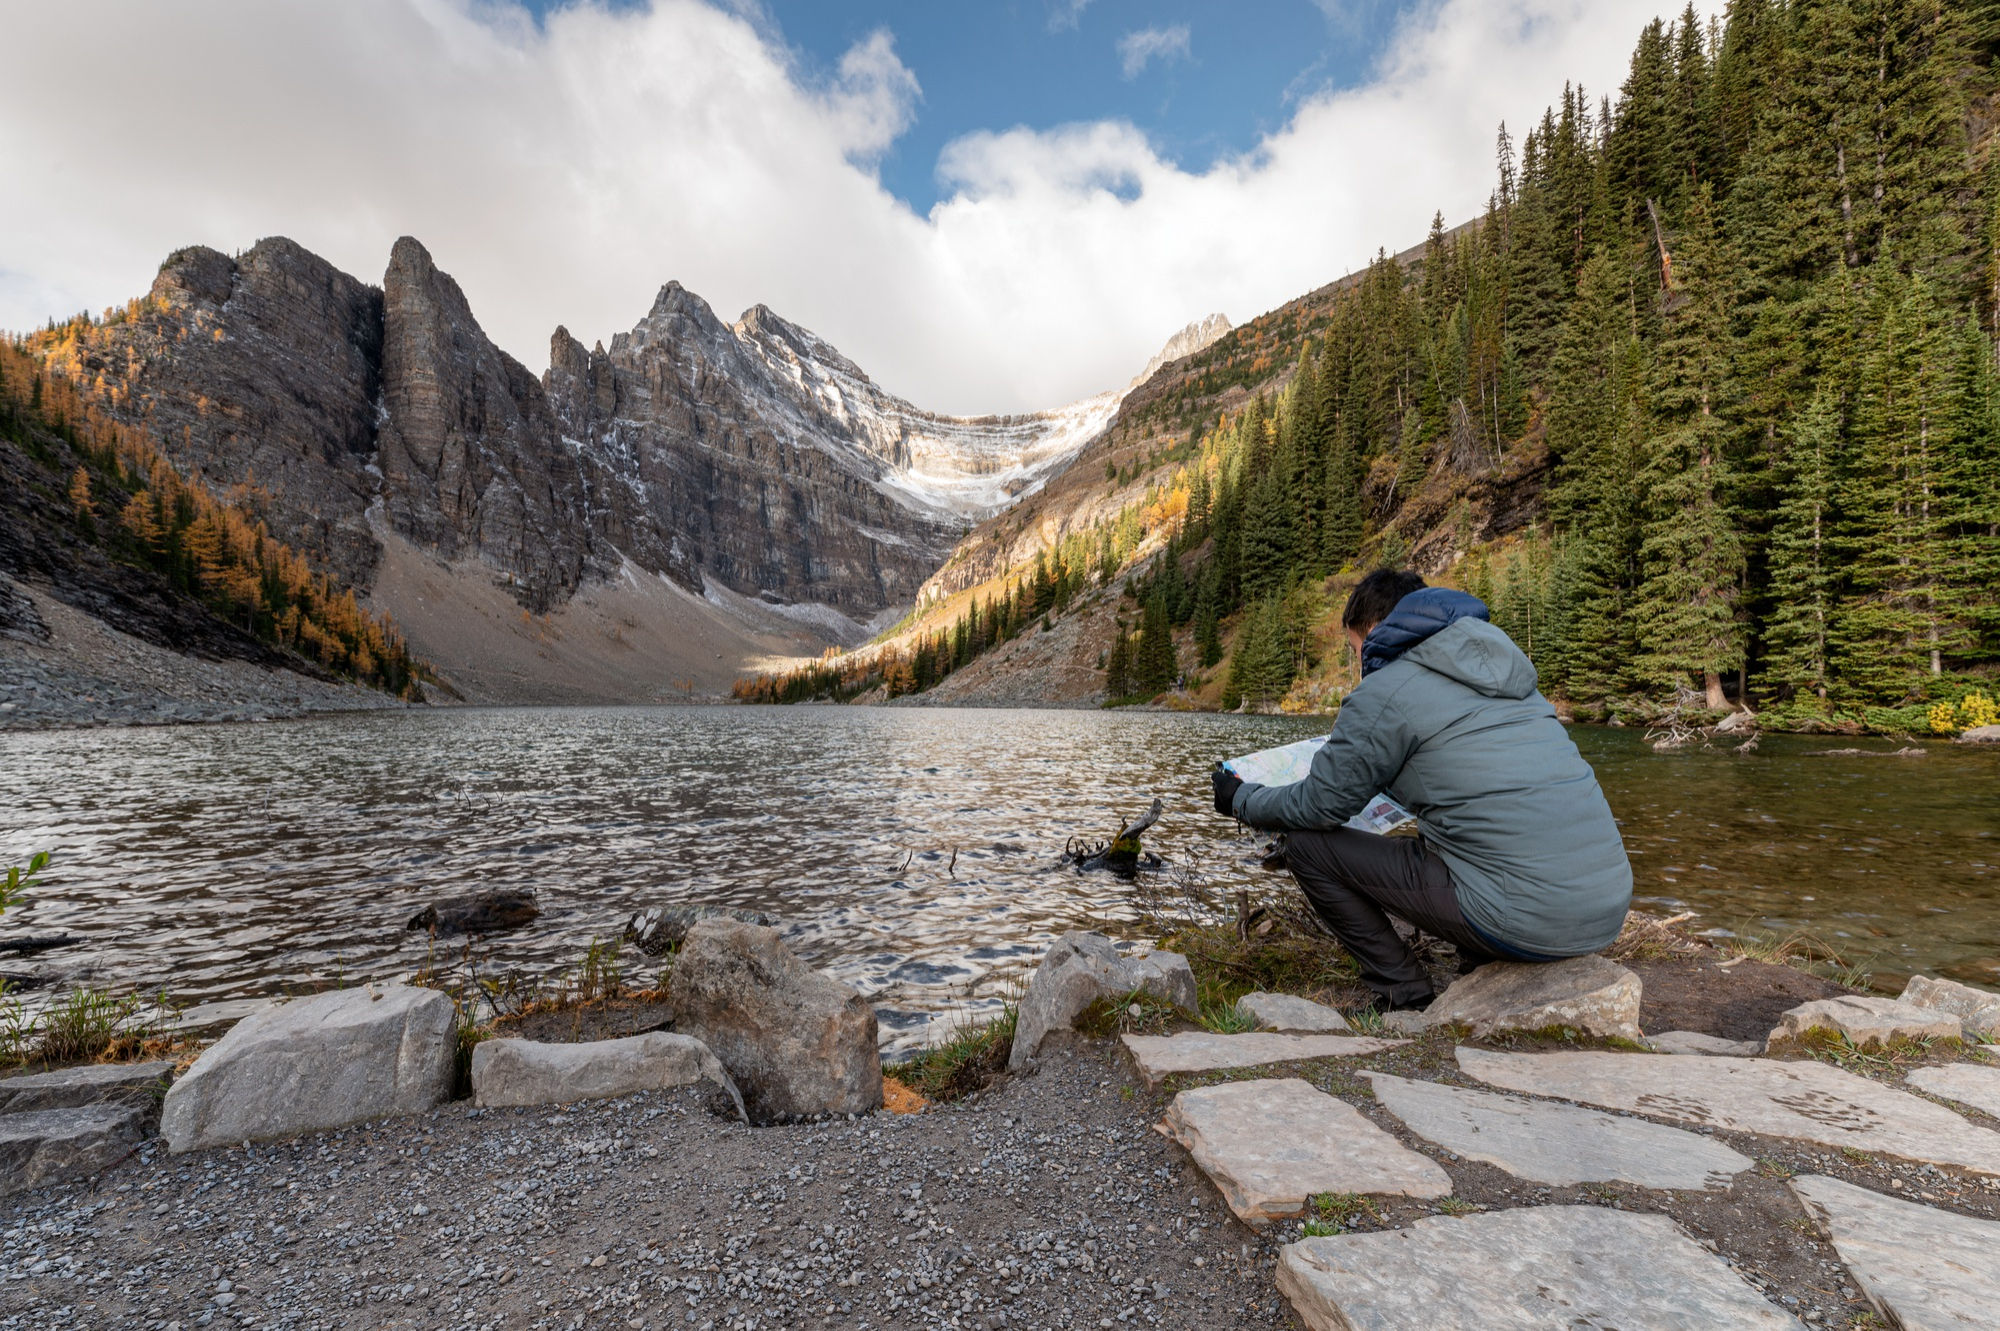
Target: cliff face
{"type": "Point", "coordinates": [751, 455]}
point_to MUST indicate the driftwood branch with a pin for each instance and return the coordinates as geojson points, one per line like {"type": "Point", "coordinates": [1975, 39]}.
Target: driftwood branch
{"type": "Point", "coordinates": [1144, 821]}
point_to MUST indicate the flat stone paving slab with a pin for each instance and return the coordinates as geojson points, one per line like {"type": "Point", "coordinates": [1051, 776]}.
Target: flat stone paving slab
{"type": "Point", "coordinates": [1543, 1268]}
{"type": "Point", "coordinates": [53, 1145]}
{"type": "Point", "coordinates": [1270, 1145]}
{"type": "Point", "coordinates": [1557, 1144]}
{"type": "Point", "coordinates": [1287, 1012]}
{"type": "Point", "coordinates": [1867, 1021]}
{"type": "Point", "coordinates": [1924, 1269]}
{"type": "Point", "coordinates": [1161, 1056]}
{"type": "Point", "coordinates": [1802, 1099]}
{"type": "Point", "coordinates": [1694, 1042]}
{"type": "Point", "coordinates": [1972, 1084]}
{"type": "Point", "coordinates": [72, 1088]}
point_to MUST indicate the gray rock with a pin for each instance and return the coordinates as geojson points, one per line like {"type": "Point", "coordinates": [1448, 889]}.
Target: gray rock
{"type": "Point", "coordinates": [1544, 1268]}
{"type": "Point", "coordinates": [72, 1088]}
{"type": "Point", "coordinates": [54, 1145]}
{"type": "Point", "coordinates": [1286, 1013]}
{"type": "Point", "coordinates": [1694, 1042]}
{"type": "Point", "coordinates": [1082, 968]}
{"type": "Point", "coordinates": [1159, 1056]}
{"type": "Point", "coordinates": [1268, 1146]}
{"type": "Point", "coordinates": [317, 1063]}
{"type": "Point", "coordinates": [1972, 1084]}
{"type": "Point", "coordinates": [1976, 1009]}
{"type": "Point", "coordinates": [1923, 1269]}
{"type": "Point", "coordinates": [529, 1072]}
{"type": "Point", "coordinates": [1803, 1100]}
{"type": "Point", "coordinates": [1557, 1144]}
{"type": "Point", "coordinates": [1980, 735]}
{"type": "Point", "coordinates": [796, 1042]}
{"type": "Point", "coordinates": [1593, 995]}
{"type": "Point", "coordinates": [658, 930]}
{"type": "Point", "coordinates": [1866, 1021]}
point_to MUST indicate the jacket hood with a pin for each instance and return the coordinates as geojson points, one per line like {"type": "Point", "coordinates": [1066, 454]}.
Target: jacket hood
{"type": "Point", "coordinates": [1416, 617]}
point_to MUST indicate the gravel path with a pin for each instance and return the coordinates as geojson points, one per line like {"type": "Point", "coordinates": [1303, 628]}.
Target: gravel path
{"type": "Point", "coordinates": [1048, 1202]}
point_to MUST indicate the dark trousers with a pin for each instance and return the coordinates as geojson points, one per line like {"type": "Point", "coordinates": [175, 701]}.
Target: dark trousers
{"type": "Point", "coordinates": [1356, 880]}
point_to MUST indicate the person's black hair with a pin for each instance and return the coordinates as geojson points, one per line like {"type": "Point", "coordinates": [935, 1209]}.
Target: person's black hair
{"type": "Point", "coordinates": [1377, 595]}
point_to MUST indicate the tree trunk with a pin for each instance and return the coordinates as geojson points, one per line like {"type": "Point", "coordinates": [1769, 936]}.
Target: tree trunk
{"type": "Point", "coordinates": [1716, 701]}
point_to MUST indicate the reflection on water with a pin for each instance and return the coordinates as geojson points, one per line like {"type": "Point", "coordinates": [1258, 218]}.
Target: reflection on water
{"type": "Point", "coordinates": [228, 861]}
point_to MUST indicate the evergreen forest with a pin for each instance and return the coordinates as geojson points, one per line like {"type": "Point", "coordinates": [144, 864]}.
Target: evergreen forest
{"type": "Point", "coordinates": [1733, 329]}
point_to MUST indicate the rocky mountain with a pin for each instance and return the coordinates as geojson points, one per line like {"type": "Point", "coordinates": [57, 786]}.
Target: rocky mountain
{"type": "Point", "coordinates": [747, 472]}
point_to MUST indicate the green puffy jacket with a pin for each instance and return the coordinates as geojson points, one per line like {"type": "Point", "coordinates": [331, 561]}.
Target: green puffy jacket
{"type": "Point", "coordinates": [1454, 731]}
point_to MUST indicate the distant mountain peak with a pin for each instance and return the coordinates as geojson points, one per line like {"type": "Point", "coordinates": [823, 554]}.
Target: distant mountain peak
{"type": "Point", "coordinates": [1195, 337]}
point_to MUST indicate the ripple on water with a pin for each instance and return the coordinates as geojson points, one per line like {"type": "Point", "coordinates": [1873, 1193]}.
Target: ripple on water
{"type": "Point", "coordinates": [225, 862]}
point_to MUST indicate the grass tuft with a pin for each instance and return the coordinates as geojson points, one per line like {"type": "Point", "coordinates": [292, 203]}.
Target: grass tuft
{"type": "Point", "coordinates": [965, 1062]}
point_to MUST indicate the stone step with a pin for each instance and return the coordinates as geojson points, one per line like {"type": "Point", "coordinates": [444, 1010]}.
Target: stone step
{"type": "Point", "coordinates": [1978, 1010]}
{"type": "Point", "coordinates": [1592, 994]}
{"type": "Point", "coordinates": [530, 1072]}
{"type": "Point", "coordinates": [1924, 1269]}
{"type": "Point", "coordinates": [1972, 1084]}
{"type": "Point", "coordinates": [72, 1088]}
{"type": "Point", "coordinates": [1160, 1056]}
{"type": "Point", "coordinates": [1545, 1268]}
{"type": "Point", "coordinates": [1270, 1145]}
{"type": "Point", "coordinates": [55, 1145]}
{"type": "Point", "coordinates": [1694, 1042]}
{"type": "Point", "coordinates": [1867, 1021]}
{"type": "Point", "coordinates": [1557, 1144]}
{"type": "Point", "coordinates": [1289, 1014]}
{"type": "Point", "coordinates": [1802, 1100]}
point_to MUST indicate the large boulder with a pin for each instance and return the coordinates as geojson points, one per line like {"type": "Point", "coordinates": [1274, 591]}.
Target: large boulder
{"type": "Point", "coordinates": [529, 1072]}
{"type": "Point", "coordinates": [1082, 968]}
{"type": "Point", "coordinates": [1866, 1020]}
{"type": "Point", "coordinates": [797, 1043]}
{"type": "Point", "coordinates": [54, 1145]}
{"type": "Point", "coordinates": [1592, 995]}
{"type": "Point", "coordinates": [1977, 1010]}
{"type": "Point", "coordinates": [93, 1083]}
{"type": "Point", "coordinates": [315, 1064]}
{"type": "Point", "coordinates": [1980, 735]}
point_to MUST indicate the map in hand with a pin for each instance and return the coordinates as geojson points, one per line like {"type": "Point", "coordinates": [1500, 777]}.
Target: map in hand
{"type": "Point", "coordinates": [1290, 762]}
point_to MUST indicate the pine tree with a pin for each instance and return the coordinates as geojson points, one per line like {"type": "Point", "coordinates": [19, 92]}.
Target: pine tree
{"type": "Point", "coordinates": [1118, 669]}
{"type": "Point", "coordinates": [1804, 564]}
{"type": "Point", "coordinates": [1691, 554]}
{"type": "Point", "coordinates": [1155, 666]}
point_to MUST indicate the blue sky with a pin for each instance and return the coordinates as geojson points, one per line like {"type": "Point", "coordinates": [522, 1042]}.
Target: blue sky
{"type": "Point", "coordinates": [1043, 63]}
{"type": "Point", "coordinates": [986, 206]}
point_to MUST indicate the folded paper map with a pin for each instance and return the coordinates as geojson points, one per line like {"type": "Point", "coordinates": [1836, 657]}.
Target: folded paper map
{"type": "Point", "coordinates": [1290, 762]}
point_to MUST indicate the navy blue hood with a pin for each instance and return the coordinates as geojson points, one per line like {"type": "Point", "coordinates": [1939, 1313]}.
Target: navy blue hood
{"type": "Point", "coordinates": [1416, 617]}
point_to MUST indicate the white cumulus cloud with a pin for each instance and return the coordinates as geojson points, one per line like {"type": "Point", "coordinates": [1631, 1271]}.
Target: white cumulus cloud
{"type": "Point", "coordinates": [563, 171]}
{"type": "Point", "coordinates": [1138, 49]}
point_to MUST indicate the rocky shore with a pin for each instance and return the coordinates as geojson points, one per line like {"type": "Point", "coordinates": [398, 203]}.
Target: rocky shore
{"type": "Point", "coordinates": [63, 669]}
{"type": "Point", "coordinates": [1525, 1155]}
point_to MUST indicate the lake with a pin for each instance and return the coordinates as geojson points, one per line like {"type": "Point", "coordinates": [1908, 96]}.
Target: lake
{"type": "Point", "coordinates": [233, 861]}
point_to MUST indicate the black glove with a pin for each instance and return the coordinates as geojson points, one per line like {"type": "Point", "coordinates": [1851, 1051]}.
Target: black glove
{"type": "Point", "coordinates": [1227, 783]}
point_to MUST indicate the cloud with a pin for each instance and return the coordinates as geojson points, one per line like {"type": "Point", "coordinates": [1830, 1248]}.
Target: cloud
{"type": "Point", "coordinates": [1138, 49]}
{"type": "Point", "coordinates": [1066, 15]}
{"type": "Point", "coordinates": [562, 171]}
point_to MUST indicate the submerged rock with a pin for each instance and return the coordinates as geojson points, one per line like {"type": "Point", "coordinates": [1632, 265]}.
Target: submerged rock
{"type": "Point", "coordinates": [657, 930]}
{"type": "Point", "coordinates": [1083, 967]}
{"type": "Point", "coordinates": [796, 1042]}
{"type": "Point", "coordinates": [318, 1063]}
{"type": "Point", "coordinates": [479, 913]}
{"type": "Point", "coordinates": [529, 1072]}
